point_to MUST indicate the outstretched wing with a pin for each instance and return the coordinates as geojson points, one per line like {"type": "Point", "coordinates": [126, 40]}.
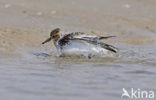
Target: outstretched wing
{"type": "Point", "coordinates": [82, 35]}
{"type": "Point", "coordinates": [87, 38]}
{"type": "Point", "coordinates": [101, 44]}
{"type": "Point", "coordinates": [97, 38]}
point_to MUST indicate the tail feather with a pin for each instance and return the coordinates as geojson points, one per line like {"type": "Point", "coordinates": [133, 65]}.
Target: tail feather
{"type": "Point", "coordinates": [100, 38]}
{"type": "Point", "coordinates": [108, 47]}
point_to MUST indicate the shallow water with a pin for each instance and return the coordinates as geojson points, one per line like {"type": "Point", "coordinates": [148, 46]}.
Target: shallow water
{"type": "Point", "coordinates": [31, 71]}
{"type": "Point", "coordinates": [44, 76]}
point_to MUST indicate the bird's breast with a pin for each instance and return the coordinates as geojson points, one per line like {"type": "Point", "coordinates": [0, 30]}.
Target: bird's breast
{"type": "Point", "coordinates": [81, 47]}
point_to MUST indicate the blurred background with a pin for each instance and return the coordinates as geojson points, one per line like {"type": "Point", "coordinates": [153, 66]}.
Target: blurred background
{"type": "Point", "coordinates": [31, 71]}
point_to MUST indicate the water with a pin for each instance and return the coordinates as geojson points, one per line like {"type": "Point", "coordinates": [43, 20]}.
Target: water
{"type": "Point", "coordinates": [31, 71]}
{"type": "Point", "coordinates": [39, 77]}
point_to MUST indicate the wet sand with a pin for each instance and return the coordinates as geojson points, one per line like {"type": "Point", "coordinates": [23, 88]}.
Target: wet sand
{"type": "Point", "coordinates": [32, 71]}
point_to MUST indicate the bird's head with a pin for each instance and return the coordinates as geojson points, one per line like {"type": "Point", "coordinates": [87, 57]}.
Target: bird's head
{"type": "Point", "coordinates": [54, 34]}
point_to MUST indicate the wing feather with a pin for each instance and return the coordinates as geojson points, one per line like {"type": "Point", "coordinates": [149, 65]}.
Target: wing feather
{"type": "Point", "coordinates": [88, 38]}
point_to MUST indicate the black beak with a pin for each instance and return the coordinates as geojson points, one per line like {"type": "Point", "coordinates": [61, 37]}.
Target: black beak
{"type": "Point", "coordinates": [49, 39]}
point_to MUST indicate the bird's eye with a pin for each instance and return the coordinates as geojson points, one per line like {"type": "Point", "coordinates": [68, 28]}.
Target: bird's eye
{"type": "Point", "coordinates": [55, 35]}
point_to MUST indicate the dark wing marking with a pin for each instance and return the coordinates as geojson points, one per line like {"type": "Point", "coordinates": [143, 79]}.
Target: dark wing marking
{"type": "Point", "coordinates": [76, 33]}
{"type": "Point", "coordinates": [100, 38]}
{"type": "Point", "coordinates": [108, 47]}
{"type": "Point", "coordinates": [97, 38]}
{"type": "Point", "coordinates": [65, 40]}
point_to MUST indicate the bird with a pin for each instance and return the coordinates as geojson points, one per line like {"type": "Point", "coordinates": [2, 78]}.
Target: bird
{"type": "Point", "coordinates": [80, 43]}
